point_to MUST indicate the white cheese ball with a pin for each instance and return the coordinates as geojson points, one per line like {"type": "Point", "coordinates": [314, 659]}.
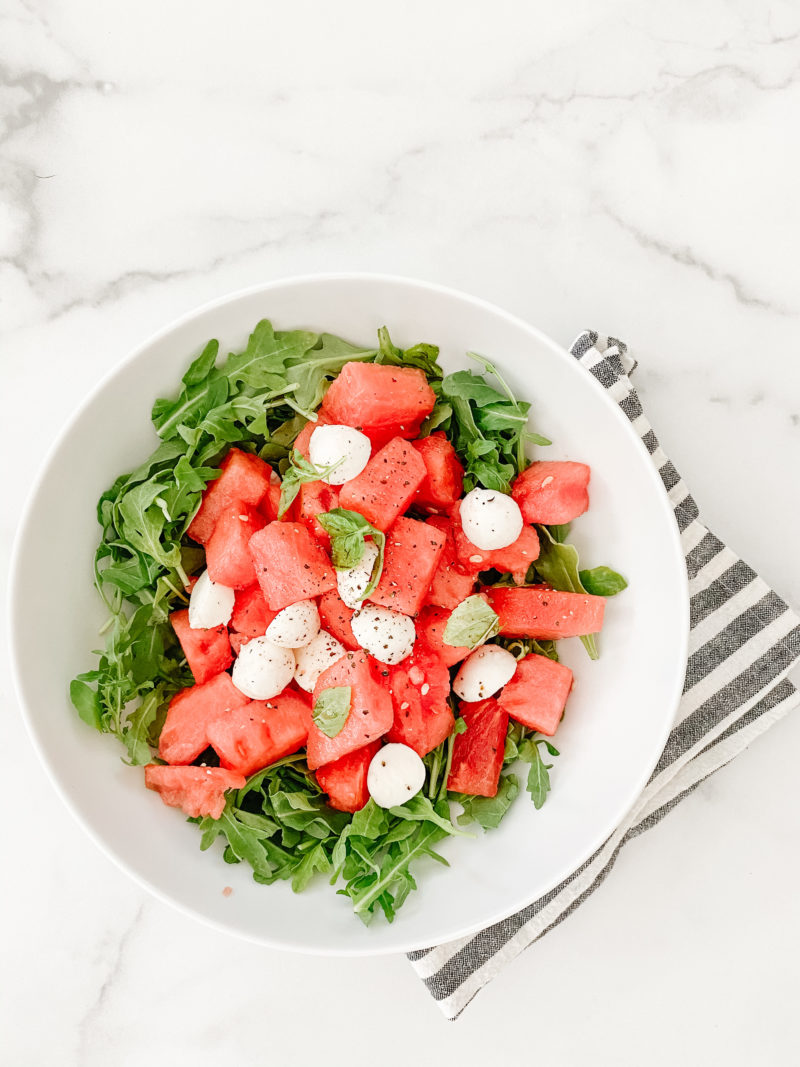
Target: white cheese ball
{"type": "Point", "coordinates": [314, 658]}
{"type": "Point", "coordinates": [387, 635]}
{"type": "Point", "coordinates": [396, 774]}
{"type": "Point", "coordinates": [295, 626]}
{"type": "Point", "coordinates": [352, 582]}
{"type": "Point", "coordinates": [483, 672]}
{"type": "Point", "coordinates": [349, 449]}
{"type": "Point", "coordinates": [262, 669]}
{"type": "Point", "coordinates": [490, 519]}
{"type": "Point", "coordinates": [210, 604]}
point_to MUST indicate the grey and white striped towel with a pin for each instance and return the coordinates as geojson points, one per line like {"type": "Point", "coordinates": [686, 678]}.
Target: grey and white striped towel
{"type": "Point", "coordinates": [743, 642]}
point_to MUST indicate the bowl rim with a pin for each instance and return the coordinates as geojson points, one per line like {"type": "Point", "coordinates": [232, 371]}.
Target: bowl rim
{"type": "Point", "coordinates": [15, 593]}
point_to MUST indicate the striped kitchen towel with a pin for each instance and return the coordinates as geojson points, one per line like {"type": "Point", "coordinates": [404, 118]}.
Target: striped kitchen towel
{"type": "Point", "coordinates": [743, 642]}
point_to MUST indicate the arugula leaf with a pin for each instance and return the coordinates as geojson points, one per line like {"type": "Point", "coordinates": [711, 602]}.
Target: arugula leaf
{"type": "Point", "coordinates": [520, 647]}
{"type": "Point", "coordinates": [348, 531]}
{"type": "Point", "coordinates": [558, 564]}
{"type": "Point", "coordinates": [602, 581]}
{"type": "Point", "coordinates": [86, 702]}
{"type": "Point", "coordinates": [422, 356]}
{"type": "Point", "coordinates": [421, 809]}
{"type": "Point", "coordinates": [394, 874]}
{"type": "Point", "coordinates": [299, 472]}
{"type": "Point", "coordinates": [263, 363]}
{"type": "Point", "coordinates": [539, 773]}
{"type": "Point", "coordinates": [200, 368]}
{"type": "Point", "coordinates": [332, 708]}
{"type": "Point", "coordinates": [489, 812]}
{"type": "Point", "coordinates": [471, 623]}
{"type": "Point", "coordinates": [311, 373]}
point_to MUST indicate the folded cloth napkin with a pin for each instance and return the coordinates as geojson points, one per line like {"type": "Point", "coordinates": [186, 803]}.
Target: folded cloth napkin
{"type": "Point", "coordinates": [743, 642]}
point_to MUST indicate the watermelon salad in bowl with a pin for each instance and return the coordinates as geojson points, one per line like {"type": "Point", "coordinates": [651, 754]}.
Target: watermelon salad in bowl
{"type": "Point", "coordinates": [346, 611]}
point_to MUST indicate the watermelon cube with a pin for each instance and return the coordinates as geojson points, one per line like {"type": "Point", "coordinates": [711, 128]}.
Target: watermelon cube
{"type": "Point", "coordinates": [185, 731]}
{"type": "Point", "coordinates": [198, 791]}
{"type": "Point", "coordinates": [345, 780]}
{"type": "Point", "coordinates": [290, 565]}
{"type": "Point", "coordinates": [258, 734]}
{"type": "Point", "coordinates": [370, 713]}
{"type": "Point", "coordinates": [271, 501]}
{"type": "Point", "coordinates": [237, 640]}
{"type": "Point", "coordinates": [251, 615]}
{"type": "Point", "coordinates": [335, 617]}
{"type": "Point", "coordinates": [552, 491]}
{"type": "Point", "coordinates": [450, 584]}
{"type": "Point", "coordinates": [546, 614]}
{"type": "Point", "coordinates": [478, 752]}
{"type": "Point", "coordinates": [313, 499]}
{"type": "Point", "coordinates": [430, 631]}
{"type": "Point", "coordinates": [386, 486]}
{"type": "Point", "coordinates": [537, 694]}
{"type": "Point", "coordinates": [444, 478]}
{"type": "Point", "coordinates": [514, 559]}
{"type": "Point", "coordinates": [228, 556]}
{"type": "Point", "coordinates": [394, 401]}
{"type": "Point", "coordinates": [208, 652]}
{"type": "Point", "coordinates": [244, 477]}
{"type": "Point", "coordinates": [410, 559]}
{"type": "Point", "coordinates": [420, 686]}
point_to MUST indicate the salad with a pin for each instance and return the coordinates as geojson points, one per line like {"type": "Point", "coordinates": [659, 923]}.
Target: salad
{"type": "Point", "coordinates": [336, 591]}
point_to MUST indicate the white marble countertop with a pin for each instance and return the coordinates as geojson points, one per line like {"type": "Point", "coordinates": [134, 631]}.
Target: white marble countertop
{"type": "Point", "coordinates": [623, 166]}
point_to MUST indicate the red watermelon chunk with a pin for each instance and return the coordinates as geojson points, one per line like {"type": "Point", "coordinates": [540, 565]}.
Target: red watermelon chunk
{"type": "Point", "coordinates": [430, 631]}
{"type": "Point", "coordinates": [270, 504]}
{"type": "Point", "coordinates": [335, 617]}
{"type": "Point", "coordinates": [185, 732]}
{"type": "Point", "coordinates": [515, 558]}
{"type": "Point", "coordinates": [244, 477]}
{"type": "Point", "coordinates": [370, 709]}
{"type": "Point", "coordinates": [345, 780]}
{"type": "Point", "coordinates": [207, 651]}
{"type": "Point", "coordinates": [546, 614]}
{"type": "Point", "coordinates": [228, 556]}
{"type": "Point", "coordinates": [552, 491]}
{"type": "Point", "coordinates": [411, 556]}
{"type": "Point", "coordinates": [237, 640]}
{"type": "Point", "coordinates": [313, 499]}
{"type": "Point", "coordinates": [478, 752]}
{"type": "Point", "coordinates": [257, 734]}
{"type": "Point", "coordinates": [386, 486]}
{"type": "Point", "coordinates": [251, 615]}
{"type": "Point", "coordinates": [537, 694]}
{"type": "Point", "coordinates": [444, 479]}
{"type": "Point", "coordinates": [290, 565]}
{"type": "Point", "coordinates": [450, 584]}
{"type": "Point", "coordinates": [198, 791]}
{"type": "Point", "coordinates": [376, 397]}
{"type": "Point", "coordinates": [420, 686]}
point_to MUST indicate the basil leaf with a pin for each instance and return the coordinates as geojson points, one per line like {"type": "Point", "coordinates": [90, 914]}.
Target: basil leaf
{"type": "Point", "coordinates": [298, 473]}
{"type": "Point", "coordinates": [471, 623]}
{"type": "Point", "coordinates": [348, 531]}
{"type": "Point", "coordinates": [332, 708]}
{"type": "Point", "coordinates": [558, 564]}
{"type": "Point", "coordinates": [602, 581]}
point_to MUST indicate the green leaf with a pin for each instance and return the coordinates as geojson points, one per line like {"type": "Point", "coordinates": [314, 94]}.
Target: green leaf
{"type": "Point", "coordinates": [420, 809]}
{"type": "Point", "coordinates": [471, 623]}
{"type": "Point", "coordinates": [558, 564]}
{"type": "Point", "coordinates": [138, 726]}
{"type": "Point", "coordinates": [314, 861]}
{"type": "Point", "coordinates": [560, 533]}
{"type": "Point", "coordinates": [86, 702]}
{"type": "Point", "coordinates": [263, 363]}
{"type": "Point", "coordinates": [395, 868]}
{"type": "Point", "coordinates": [332, 708]}
{"type": "Point", "coordinates": [602, 581]}
{"type": "Point", "coordinates": [422, 356]}
{"type": "Point", "coordinates": [311, 373]}
{"type": "Point", "coordinates": [200, 368]}
{"type": "Point", "coordinates": [370, 822]}
{"type": "Point", "coordinates": [538, 775]}
{"type": "Point", "coordinates": [348, 531]}
{"type": "Point", "coordinates": [299, 472]}
{"type": "Point", "coordinates": [489, 812]}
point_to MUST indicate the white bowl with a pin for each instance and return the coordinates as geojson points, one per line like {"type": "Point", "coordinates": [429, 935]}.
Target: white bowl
{"type": "Point", "coordinates": [619, 714]}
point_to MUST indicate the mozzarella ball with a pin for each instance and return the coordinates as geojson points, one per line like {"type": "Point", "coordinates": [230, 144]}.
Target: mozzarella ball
{"type": "Point", "coordinates": [210, 604]}
{"type": "Point", "coordinates": [490, 519]}
{"type": "Point", "coordinates": [483, 672]}
{"type": "Point", "coordinates": [352, 582]}
{"type": "Point", "coordinates": [396, 774]}
{"type": "Point", "coordinates": [343, 446]}
{"type": "Point", "coordinates": [314, 658]}
{"type": "Point", "coordinates": [262, 669]}
{"type": "Point", "coordinates": [295, 626]}
{"type": "Point", "coordinates": [387, 635]}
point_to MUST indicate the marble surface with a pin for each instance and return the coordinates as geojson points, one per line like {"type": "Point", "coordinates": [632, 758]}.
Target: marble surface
{"type": "Point", "coordinates": [625, 166]}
